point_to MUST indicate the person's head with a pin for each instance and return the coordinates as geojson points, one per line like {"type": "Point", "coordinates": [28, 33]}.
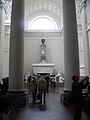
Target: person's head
{"type": "Point", "coordinates": [75, 78]}
{"type": "Point", "coordinates": [46, 76]}
{"type": "Point", "coordinates": [87, 77]}
{"type": "Point", "coordinates": [43, 40]}
{"type": "Point", "coordinates": [34, 78]}
{"type": "Point", "coordinates": [28, 74]}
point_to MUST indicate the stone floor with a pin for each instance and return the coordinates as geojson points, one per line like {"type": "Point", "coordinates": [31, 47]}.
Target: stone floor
{"type": "Point", "coordinates": [53, 110]}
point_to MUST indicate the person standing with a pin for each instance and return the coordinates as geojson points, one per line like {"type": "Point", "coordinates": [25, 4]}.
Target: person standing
{"type": "Point", "coordinates": [28, 81]}
{"type": "Point", "coordinates": [42, 88]}
{"type": "Point", "coordinates": [47, 80]}
{"type": "Point", "coordinates": [33, 89]}
{"type": "Point", "coordinates": [78, 95]}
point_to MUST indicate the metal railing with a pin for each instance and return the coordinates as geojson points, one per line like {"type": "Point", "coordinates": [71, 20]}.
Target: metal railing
{"type": "Point", "coordinates": [7, 112]}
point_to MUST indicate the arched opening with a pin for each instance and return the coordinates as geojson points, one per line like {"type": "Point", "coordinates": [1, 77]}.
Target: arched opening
{"type": "Point", "coordinates": [43, 23]}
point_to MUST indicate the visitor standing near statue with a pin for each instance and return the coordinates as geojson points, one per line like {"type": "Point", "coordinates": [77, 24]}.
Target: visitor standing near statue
{"type": "Point", "coordinates": [43, 51]}
{"type": "Point", "coordinates": [42, 88]}
{"type": "Point", "coordinates": [47, 78]}
{"type": "Point", "coordinates": [33, 89]}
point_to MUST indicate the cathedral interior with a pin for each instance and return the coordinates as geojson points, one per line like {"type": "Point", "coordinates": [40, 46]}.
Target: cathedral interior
{"type": "Point", "coordinates": [64, 25]}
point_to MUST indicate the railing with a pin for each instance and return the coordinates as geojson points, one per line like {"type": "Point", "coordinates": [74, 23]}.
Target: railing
{"type": "Point", "coordinates": [9, 109]}
{"type": "Point", "coordinates": [1, 114]}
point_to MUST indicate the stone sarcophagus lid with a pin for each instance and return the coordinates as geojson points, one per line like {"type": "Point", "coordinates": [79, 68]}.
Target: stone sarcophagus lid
{"type": "Point", "coordinates": [43, 68]}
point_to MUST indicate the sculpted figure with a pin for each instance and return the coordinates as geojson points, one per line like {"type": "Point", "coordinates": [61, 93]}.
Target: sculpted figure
{"type": "Point", "coordinates": [43, 51]}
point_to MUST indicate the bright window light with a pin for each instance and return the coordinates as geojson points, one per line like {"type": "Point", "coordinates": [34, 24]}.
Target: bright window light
{"type": "Point", "coordinates": [43, 23]}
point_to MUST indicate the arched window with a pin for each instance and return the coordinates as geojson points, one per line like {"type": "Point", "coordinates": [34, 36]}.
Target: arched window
{"type": "Point", "coordinates": [43, 23]}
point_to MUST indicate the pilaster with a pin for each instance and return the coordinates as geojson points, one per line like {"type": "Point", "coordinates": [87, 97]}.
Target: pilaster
{"type": "Point", "coordinates": [85, 36]}
{"type": "Point", "coordinates": [2, 27]}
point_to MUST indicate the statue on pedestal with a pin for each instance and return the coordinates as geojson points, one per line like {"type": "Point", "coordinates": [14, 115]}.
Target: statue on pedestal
{"type": "Point", "coordinates": [43, 51]}
{"type": "Point", "coordinates": [43, 67]}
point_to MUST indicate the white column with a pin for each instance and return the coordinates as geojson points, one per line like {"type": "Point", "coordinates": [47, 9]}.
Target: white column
{"type": "Point", "coordinates": [16, 55]}
{"type": "Point", "coordinates": [71, 52]}
{"type": "Point", "coordinates": [2, 27]}
{"type": "Point", "coordinates": [85, 37]}
{"type": "Point", "coordinates": [16, 79]}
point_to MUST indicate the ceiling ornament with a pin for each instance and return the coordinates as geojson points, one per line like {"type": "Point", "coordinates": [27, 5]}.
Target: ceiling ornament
{"type": "Point", "coordinates": [44, 7]}
{"type": "Point", "coordinates": [34, 8]}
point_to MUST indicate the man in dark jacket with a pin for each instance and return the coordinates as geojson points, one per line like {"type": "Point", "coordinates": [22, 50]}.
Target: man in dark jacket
{"type": "Point", "coordinates": [47, 80]}
{"type": "Point", "coordinates": [42, 88]}
{"type": "Point", "coordinates": [78, 95]}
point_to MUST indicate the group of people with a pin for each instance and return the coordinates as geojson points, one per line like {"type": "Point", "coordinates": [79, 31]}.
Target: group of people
{"type": "Point", "coordinates": [39, 86]}
{"type": "Point", "coordinates": [77, 93]}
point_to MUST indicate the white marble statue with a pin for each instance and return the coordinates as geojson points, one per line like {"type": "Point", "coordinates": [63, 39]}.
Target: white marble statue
{"type": "Point", "coordinates": [59, 77]}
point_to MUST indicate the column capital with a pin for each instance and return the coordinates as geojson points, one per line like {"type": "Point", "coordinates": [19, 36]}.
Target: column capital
{"type": "Point", "coordinates": [83, 4]}
{"type": "Point", "coordinates": [3, 3]}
